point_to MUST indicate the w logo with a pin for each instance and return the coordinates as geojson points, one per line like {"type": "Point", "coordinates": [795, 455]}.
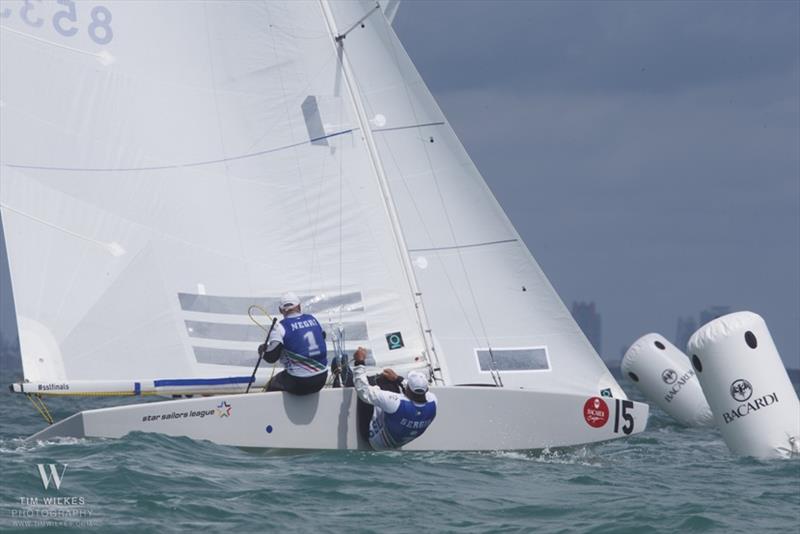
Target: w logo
{"type": "Point", "coordinates": [54, 476]}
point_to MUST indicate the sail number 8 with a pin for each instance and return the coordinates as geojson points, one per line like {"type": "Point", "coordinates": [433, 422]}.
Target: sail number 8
{"type": "Point", "coordinates": [65, 20]}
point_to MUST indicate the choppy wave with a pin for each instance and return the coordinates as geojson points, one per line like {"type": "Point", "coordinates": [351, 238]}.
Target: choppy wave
{"type": "Point", "coordinates": [668, 479]}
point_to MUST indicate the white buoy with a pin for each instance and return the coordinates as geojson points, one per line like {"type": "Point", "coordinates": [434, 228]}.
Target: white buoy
{"type": "Point", "coordinates": [665, 377]}
{"type": "Point", "coordinates": [747, 387]}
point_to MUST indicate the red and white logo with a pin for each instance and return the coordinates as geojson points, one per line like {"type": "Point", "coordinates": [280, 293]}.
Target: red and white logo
{"type": "Point", "coordinates": [595, 411]}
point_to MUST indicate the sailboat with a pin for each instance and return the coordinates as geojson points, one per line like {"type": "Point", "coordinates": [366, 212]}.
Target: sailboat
{"type": "Point", "coordinates": [165, 166]}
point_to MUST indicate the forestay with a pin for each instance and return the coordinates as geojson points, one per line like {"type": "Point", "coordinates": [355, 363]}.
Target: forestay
{"type": "Point", "coordinates": [167, 164]}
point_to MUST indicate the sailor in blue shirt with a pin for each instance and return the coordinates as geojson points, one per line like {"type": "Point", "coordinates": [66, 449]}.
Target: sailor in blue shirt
{"type": "Point", "coordinates": [395, 418]}
{"type": "Point", "coordinates": [299, 342]}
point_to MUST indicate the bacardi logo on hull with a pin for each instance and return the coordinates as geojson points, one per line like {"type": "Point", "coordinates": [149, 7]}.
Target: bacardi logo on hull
{"type": "Point", "coordinates": [742, 391]}
{"type": "Point", "coordinates": [596, 412]}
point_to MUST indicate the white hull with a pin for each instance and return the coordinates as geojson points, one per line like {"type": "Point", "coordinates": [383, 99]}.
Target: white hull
{"type": "Point", "coordinates": [469, 418]}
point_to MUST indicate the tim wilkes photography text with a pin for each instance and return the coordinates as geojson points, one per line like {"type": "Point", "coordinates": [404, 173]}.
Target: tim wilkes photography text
{"type": "Point", "coordinates": [53, 508]}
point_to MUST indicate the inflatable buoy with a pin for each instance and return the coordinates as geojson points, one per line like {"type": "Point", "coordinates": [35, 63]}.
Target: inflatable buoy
{"type": "Point", "coordinates": [665, 377]}
{"type": "Point", "coordinates": [747, 386]}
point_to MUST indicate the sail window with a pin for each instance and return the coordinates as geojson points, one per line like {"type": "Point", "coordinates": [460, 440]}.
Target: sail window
{"type": "Point", "coordinates": [517, 359]}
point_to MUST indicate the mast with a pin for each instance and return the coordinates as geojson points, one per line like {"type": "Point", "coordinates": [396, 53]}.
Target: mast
{"type": "Point", "coordinates": [380, 174]}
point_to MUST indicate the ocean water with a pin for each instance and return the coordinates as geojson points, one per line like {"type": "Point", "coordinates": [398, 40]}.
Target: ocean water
{"type": "Point", "coordinates": [667, 479]}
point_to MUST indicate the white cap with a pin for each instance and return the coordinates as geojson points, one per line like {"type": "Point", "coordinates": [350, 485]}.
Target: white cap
{"type": "Point", "coordinates": [288, 300]}
{"type": "Point", "coordinates": [417, 382]}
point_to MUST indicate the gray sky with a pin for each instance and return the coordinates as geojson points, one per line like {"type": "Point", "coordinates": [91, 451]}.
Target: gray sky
{"type": "Point", "coordinates": [648, 152]}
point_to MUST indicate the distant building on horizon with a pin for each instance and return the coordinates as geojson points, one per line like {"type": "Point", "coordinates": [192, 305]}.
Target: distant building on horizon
{"type": "Point", "coordinates": [688, 326]}
{"type": "Point", "coordinates": [585, 314]}
{"type": "Point", "coordinates": [713, 312]}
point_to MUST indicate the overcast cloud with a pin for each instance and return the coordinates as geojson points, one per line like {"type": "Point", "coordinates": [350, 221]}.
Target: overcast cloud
{"type": "Point", "coordinates": [648, 152]}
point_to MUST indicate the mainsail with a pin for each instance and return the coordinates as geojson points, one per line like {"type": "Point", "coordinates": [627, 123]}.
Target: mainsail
{"type": "Point", "coordinates": [165, 165]}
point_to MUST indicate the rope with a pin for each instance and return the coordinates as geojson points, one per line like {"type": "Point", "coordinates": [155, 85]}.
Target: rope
{"type": "Point", "coordinates": [262, 310]}
{"type": "Point", "coordinates": [265, 329]}
{"type": "Point", "coordinates": [41, 407]}
{"type": "Point", "coordinates": [271, 375]}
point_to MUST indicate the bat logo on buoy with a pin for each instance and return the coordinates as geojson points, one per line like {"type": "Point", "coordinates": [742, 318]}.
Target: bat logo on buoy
{"type": "Point", "coordinates": [741, 390]}
{"type": "Point", "coordinates": [669, 376]}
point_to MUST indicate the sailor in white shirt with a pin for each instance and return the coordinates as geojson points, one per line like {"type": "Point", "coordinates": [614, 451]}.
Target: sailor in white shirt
{"type": "Point", "coordinates": [388, 419]}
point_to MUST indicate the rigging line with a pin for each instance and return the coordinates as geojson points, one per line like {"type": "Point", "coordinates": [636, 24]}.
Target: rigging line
{"type": "Point", "coordinates": [114, 248]}
{"type": "Point", "coordinates": [80, 268]}
{"type": "Point", "coordinates": [109, 246]}
{"type": "Point", "coordinates": [408, 126]}
{"type": "Point", "coordinates": [315, 231]}
{"type": "Point", "coordinates": [380, 176]}
{"type": "Point", "coordinates": [40, 407]}
{"type": "Point", "coordinates": [104, 56]}
{"type": "Point", "coordinates": [393, 51]}
{"type": "Point", "coordinates": [471, 245]}
{"type": "Point", "coordinates": [179, 165]}
{"type": "Point", "coordinates": [435, 365]}
{"type": "Point", "coordinates": [356, 23]}
{"type": "Point", "coordinates": [431, 356]}
{"type": "Point", "coordinates": [341, 219]}
{"type": "Point", "coordinates": [168, 312]}
{"type": "Point", "coordinates": [414, 203]}
{"type": "Point", "coordinates": [298, 166]}
{"type": "Point", "coordinates": [211, 161]}
{"type": "Point", "coordinates": [235, 212]}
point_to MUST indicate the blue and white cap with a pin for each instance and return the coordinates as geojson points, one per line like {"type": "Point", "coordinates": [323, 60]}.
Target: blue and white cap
{"type": "Point", "coordinates": [417, 382]}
